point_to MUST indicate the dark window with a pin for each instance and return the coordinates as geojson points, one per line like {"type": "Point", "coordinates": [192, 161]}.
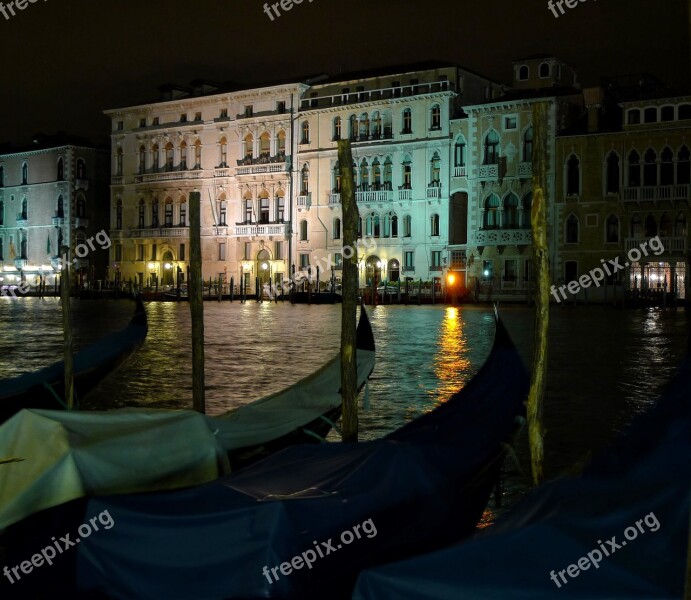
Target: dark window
{"type": "Point", "coordinates": [633, 117]}
{"type": "Point", "coordinates": [572, 230]}
{"type": "Point", "coordinates": [612, 229]}
{"type": "Point", "coordinates": [683, 164]}
{"type": "Point", "coordinates": [650, 167]}
{"type": "Point", "coordinates": [523, 73]}
{"type": "Point", "coordinates": [667, 167]}
{"type": "Point", "coordinates": [612, 173]}
{"type": "Point", "coordinates": [570, 271]}
{"type": "Point", "coordinates": [634, 169]}
{"type": "Point", "coordinates": [491, 148]}
{"type": "Point", "coordinates": [573, 176]}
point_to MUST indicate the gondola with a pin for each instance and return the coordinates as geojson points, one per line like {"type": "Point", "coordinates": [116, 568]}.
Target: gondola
{"type": "Point", "coordinates": [45, 388]}
{"type": "Point", "coordinates": [619, 530]}
{"type": "Point", "coordinates": [137, 450]}
{"type": "Point", "coordinates": [420, 487]}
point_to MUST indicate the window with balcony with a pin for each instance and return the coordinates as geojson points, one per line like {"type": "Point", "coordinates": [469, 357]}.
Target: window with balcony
{"type": "Point", "coordinates": [198, 155]}
{"type": "Point", "coordinates": [364, 126]}
{"type": "Point", "coordinates": [491, 148]}
{"type": "Point", "coordinates": [248, 210]}
{"type": "Point", "coordinates": [142, 209]}
{"type": "Point", "coordinates": [650, 226]}
{"type": "Point", "coordinates": [305, 133]}
{"type": "Point", "coordinates": [376, 125]}
{"type": "Point", "coordinates": [612, 176]}
{"type": "Point", "coordinates": [407, 121]}
{"type": "Point", "coordinates": [183, 214]}
{"type": "Point", "coordinates": [336, 178]}
{"type": "Point", "coordinates": [667, 166]}
{"type": "Point", "coordinates": [407, 226]}
{"type": "Point", "coordinates": [168, 213]}
{"type": "Point", "coordinates": [511, 211]}
{"type": "Point", "coordinates": [61, 169]}
{"type": "Point", "coordinates": [572, 229]}
{"type": "Point", "coordinates": [249, 146]}
{"type": "Point", "coordinates": [407, 174]}
{"type": "Point", "coordinates": [60, 213]}
{"type": "Point", "coordinates": [336, 229]}
{"type": "Point", "coordinates": [528, 145]}
{"type": "Point", "coordinates": [680, 225]}
{"type": "Point", "coordinates": [352, 128]}
{"type": "Point", "coordinates": [388, 174]}
{"type": "Point", "coordinates": [573, 176]}
{"type": "Point", "coordinates": [280, 209]}
{"type": "Point", "coordinates": [435, 118]}
{"type": "Point", "coordinates": [667, 114]}
{"type": "Point", "coordinates": [364, 181]}
{"type": "Point", "coordinates": [170, 157]}
{"type": "Point", "coordinates": [304, 180]}
{"type": "Point", "coordinates": [459, 152]}
{"type": "Point", "coordinates": [376, 175]}
{"type": "Point", "coordinates": [336, 129]}
{"type": "Point", "coordinates": [81, 207]}
{"type": "Point", "coordinates": [155, 157]}
{"type": "Point", "coordinates": [491, 216]}
{"type": "Point", "coordinates": [264, 217]}
{"type": "Point", "coordinates": [265, 146]}
{"type": "Point", "coordinates": [224, 153]}
{"type": "Point", "coordinates": [612, 229]}
{"type": "Point", "coordinates": [650, 167]}
{"type": "Point", "coordinates": [665, 225]}
{"type": "Point", "coordinates": [118, 215]}
{"type": "Point", "coordinates": [409, 260]}
{"type": "Point", "coordinates": [154, 214]}
{"type": "Point", "coordinates": [683, 166]}
{"type": "Point", "coordinates": [345, 92]}
{"type": "Point", "coordinates": [25, 174]}
{"type": "Point", "coordinates": [434, 225]}
{"type": "Point", "coordinates": [142, 160]}
{"type": "Point", "coordinates": [636, 226]}
{"type": "Point", "coordinates": [634, 169]}
{"type": "Point", "coordinates": [435, 171]}
{"type": "Point", "coordinates": [118, 162]}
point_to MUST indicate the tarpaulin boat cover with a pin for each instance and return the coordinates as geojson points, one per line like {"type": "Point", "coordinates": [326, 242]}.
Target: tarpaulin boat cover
{"type": "Point", "coordinates": [69, 455]}
{"type": "Point", "coordinates": [420, 487]}
{"type": "Point", "coordinates": [644, 480]}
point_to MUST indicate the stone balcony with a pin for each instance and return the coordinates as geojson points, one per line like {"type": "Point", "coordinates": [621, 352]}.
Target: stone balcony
{"type": "Point", "coordinates": [334, 198]}
{"type": "Point", "coordinates": [671, 245]}
{"type": "Point", "coordinates": [81, 184]}
{"type": "Point", "coordinates": [305, 200]}
{"type": "Point", "coordinates": [502, 237]}
{"type": "Point", "coordinates": [22, 220]}
{"type": "Point", "coordinates": [58, 221]}
{"type": "Point", "coordinates": [653, 193]}
{"type": "Point", "coordinates": [434, 191]}
{"type": "Point", "coordinates": [488, 172]}
{"type": "Point", "coordinates": [525, 170]}
{"type": "Point", "coordinates": [374, 196]}
{"type": "Point", "coordinates": [157, 232]}
{"type": "Point", "coordinates": [460, 171]}
{"type": "Point", "coordinates": [254, 230]}
{"type": "Point", "coordinates": [168, 176]}
{"type": "Point", "coordinates": [81, 222]}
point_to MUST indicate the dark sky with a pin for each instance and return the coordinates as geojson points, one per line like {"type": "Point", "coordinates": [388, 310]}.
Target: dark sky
{"type": "Point", "coordinates": [64, 61]}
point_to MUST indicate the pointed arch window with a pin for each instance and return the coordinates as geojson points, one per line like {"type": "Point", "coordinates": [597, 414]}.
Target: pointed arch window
{"type": "Point", "coordinates": [434, 225]}
{"type": "Point", "coordinates": [459, 153]}
{"type": "Point", "coordinates": [527, 209]}
{"type": "Point", "coordinates": [612, 173]}
{"type": "Point", "coordinates": [305, 181]}
{"type": "Point", "coordinates": [376, 175]}
{"type": "Point", "coordinates": [336, 129]}
{"type": "Point", "coordinates": [650, 167]}
{"type": "Point", "coordinates": [491, 148]}
{"type": "Point", "coordinates": [81, 207]}
{"type": "Point", "coordinates": [407, 121]}
{"type": "Point", "coordinates": [667, 166]}
{"type": "Point", "coordinates": [435, 121]}
{"type": "Point", "coordinates": [61, 169]}
{"type": "Point", "coordinates": [636, 226]}
{"type": "Point", "coordinates": [118, 215]}
{"type": "Point", "coordinates": [435, 170]}
{"type": "Point", "coordinates": [665, 225]}
{"type": "Point", "coordinates": [511, 212]}
{"type": "Point", "coordinates": [336, 233]}
{"type": "Point", "coordinates": [573, 176]}
{"type": "Point", "coordinates": [612, 229]}
{"type": "Point", "coordinates": [407, 226]}
{"type": "Point", "coordinates": [352, 131]}
{"type": "Point", "coordinates": [407, 174]}
{"type": "Point", "coordinates": [490, 219]}
{"type": "Point", "coordinates": [528, 145]}
{"type": "Point", "coordinates": [61, 208]}
{"type": "Point", "coordinates": [388, 174]}
{"type": "Point", "coordinates": [683, 166]}
{"type": "Point", "coordinates": [650, 226]}
{"type": "Point", "coordinates": [25, 174]}
{"type": "Point", "coordinates": [680, 225]}
{"type": "Point", "coordinates": [634, 169]}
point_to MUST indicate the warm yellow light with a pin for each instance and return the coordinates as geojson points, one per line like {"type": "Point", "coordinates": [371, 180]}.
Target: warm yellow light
{"type": "Point", "coordinates": [451, 279]}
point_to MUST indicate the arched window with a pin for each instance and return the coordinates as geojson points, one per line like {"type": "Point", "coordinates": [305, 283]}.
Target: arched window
{"type": "Point", "coordinates": [650, 115]}
{"type": "Point", "coordinates": [280, 206]}
{"type": "Point", "coordinates": [281, 144]}
{"type": "Point", "coordinates": [248, 208]}
{"type": "Point", "coordinates": [459, 152]}
{"type": "Point", "coordinates": [393, 225]}
{"type": "Point", "coordinates": [376, 175]}
{"type": "Point", "coordinates": [352, 123]}
{"type": "Point", "coordinates": [264, 208]}
{"type": "Point", "coordinates": [118, 162]}
{"type": "Point", "coordinates": [633, 116]}
{"type": "Point", "coordinates": [435, 170]}
{"type": "Point", "coordinates": [81, 168]}
{"type": "Point", "coordinates": [305, 133]}
{"type": "Point", "coordinates": [388, 174]}
{"type": "Point", "coordinates": [527, 209]}
{"type": "Point", "coordinates": [523, 73]}
{"type": "Point", "coordinates": [364, 126]}
{"type": "Point", "coordinates": [364, 175]}
{"type": "Point", "coordinates": [303, 230]}
{"type": "Point", "coordinates": [667, 166]}
{"type": "Point", "coordinates": [118, 215]}
{"type": "Point", "coordinates": [337, 229]}
{"type": "Point", "coordinates": [435, 117]}
{"type": "Point", "coordinates": [249, 146]}
{"type": "Point", "coordinates": [336, 179]}
{"type": "Point", "coordinates": [305, 180]}
{"type": "Point", "coordinates": [25, 209]}
{"type": "Point", "coordinates": [683, 166]}
{"type": "Point", "coordinates": [680, 225]}
{"type": "Point", "coordinates": [142, 160]}
{"type": "Point", "coordinates": [650, 167]}
{"type": "Point", "coordinates": [25, 174]}
{"type": "Point", "coordinates": [636, 226]}
{"type": "Point", "coordinates": [142, 209]}
{"type": "Point", "coordinates": [434, 225]}
{"type": "Point", "coordinates": [61, 169]}
{"type": "Point", "coordinates": [183, 212]}
{"type": "Point", "coordinates": [528, 145]}
{"type": "Point", "coordinates": [491, 148]}
{"type": "Point", "coordinates": [667, 113]}
{"type": "Point", "coordinates": [650, 226]}
{"type": "Point", "coordinates": [336, 129]}
{"type": "Point", "coordinates": [407, 226]}
{"type": "Point", "coordinates": [376, 230]}
{"type": "Point", "coordinates": [154, 213]}
{"type": "Point", "coordinates": [407, 168]}
{"type": "Point", "coordinates": [490, 219]}
{"type": "Point", "coordinates": [168, 213]}
{"type": "Point", "coordinates": [634, 170]}
{"type": "Point", "coordinates": [376, 125]}
{"type": "Point", "coordinates": [170, 157]}
{"type": "Point", "coordinates": [265, 145]}
{"type": "Point", "coordinates": [183, 156]}
{"type": "Point", "coordinates": [407, 121]}
{"type": "Point", "coordinates": [60, 213]}
{"type": "Point", "coordinates": [544, 70]}
{"type": "Point", "coordinates": [612, 173]}
{"type": "Point", "coordinates": [665, 225]}
{"type": "Point", "coordinates": [155, 158]}
{"type": "Point", "coordinates": [572, 229]}
{"type": "Point", "coordinates": [224, 153]}
{"type": "Point", "coordinates": [684, 111]}
{"type": "Point", "coordinates": [81, 207]}
{"type": "Point", "coordinates": [573, 176]}
{"type": "Point", "coordinates": [511, 212]}
{"type": "Point", "coordinates": [612, 229]}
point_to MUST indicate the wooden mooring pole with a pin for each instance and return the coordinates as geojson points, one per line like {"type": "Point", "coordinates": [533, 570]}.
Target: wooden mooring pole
{"type": "Point", "coordinates": [68, 355]}
{"type": "Point", "coordinates": [350, 287]}
{"type": "Point", "coordinates": [196, 289]}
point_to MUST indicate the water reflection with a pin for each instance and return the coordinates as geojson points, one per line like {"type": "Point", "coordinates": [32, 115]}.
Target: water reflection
{"type": "Point", "coordinates": [451, 363]}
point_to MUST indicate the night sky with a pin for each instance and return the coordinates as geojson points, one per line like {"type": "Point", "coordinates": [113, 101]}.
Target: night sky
{"type": "Point", "coordinates": [65, 61]}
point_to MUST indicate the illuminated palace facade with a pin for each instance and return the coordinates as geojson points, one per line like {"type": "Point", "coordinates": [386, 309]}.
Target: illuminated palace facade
{"type": "Point", "coordinates": [443, 174]}
{"type": "Point", "coordinates": [52, 194]}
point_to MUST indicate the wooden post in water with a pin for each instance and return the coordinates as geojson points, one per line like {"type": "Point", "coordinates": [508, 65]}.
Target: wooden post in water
{"type": "Point", "coordinates": [195, 287]}
{"type": "Point", "coordinates": [538, 220]}
{"type": "Point", "coordinates": [349, 292]}
{"type": "Point", "coordinates": [68, 356]}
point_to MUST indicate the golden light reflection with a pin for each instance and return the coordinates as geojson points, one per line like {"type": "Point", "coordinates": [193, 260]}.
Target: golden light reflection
{"type": "Point", "coordinates": [450, 363]}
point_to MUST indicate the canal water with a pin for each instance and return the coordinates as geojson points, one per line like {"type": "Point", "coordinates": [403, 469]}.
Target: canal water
{"type": "Point", "coordinates": [605, 365]}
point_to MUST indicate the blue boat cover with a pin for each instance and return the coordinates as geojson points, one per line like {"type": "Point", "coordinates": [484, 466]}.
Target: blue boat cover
{"type": "Point", "coordinates": [338, 507]}
{"type": "Point", "coordinates": [620, 530]}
